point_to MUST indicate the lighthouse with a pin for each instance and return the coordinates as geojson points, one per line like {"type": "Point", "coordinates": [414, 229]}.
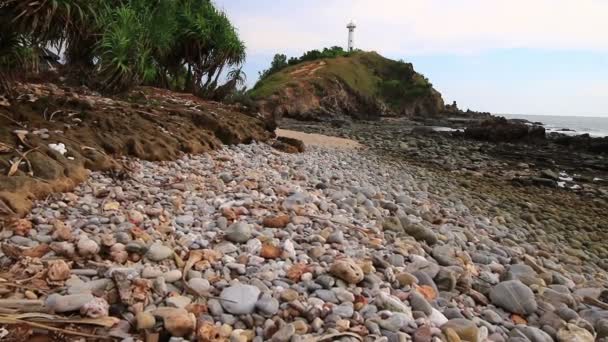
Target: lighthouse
{"type": "Point", "coordinates": [351, 35]}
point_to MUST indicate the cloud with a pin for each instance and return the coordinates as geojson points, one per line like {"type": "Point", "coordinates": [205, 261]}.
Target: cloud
{"type": "Point", "coordinates": [424, 26]}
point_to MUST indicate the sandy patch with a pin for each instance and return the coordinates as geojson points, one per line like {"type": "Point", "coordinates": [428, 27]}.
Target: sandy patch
{"type": "Point", "coordinates": [318, 139]}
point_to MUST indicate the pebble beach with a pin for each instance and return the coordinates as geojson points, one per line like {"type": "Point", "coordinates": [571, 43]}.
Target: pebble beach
{"type": "Point", "coordinates": [337, 243]}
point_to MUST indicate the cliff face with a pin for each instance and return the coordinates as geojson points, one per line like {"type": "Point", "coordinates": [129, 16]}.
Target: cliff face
{"type": "Point", "coordinates": [362, 86]}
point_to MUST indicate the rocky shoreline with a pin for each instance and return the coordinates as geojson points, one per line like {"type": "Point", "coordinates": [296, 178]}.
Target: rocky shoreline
{"type": "Point", "coordinates": [249, 243]}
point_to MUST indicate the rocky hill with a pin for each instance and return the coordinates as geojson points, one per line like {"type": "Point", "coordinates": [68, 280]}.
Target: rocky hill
{"type": "Point", "coordinates": [363, 85]}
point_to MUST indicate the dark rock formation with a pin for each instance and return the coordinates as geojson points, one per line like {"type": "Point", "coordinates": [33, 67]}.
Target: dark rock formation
{"type": "Point", "coordinates": [499, 129]}
{"type": "Point", "coordinates": [582, 142]}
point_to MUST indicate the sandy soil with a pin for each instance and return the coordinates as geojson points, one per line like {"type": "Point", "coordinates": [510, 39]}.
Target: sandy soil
{"type": "Point", "coordinates": [318, 139]}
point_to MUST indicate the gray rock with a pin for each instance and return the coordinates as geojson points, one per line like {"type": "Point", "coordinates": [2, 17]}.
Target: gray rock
{"type": "Point", "coordinates": [395, 322]}
{"type": "Point", "coordinates": [523, 273]}
{"type": "Point", "coordinates": [239, 299]}
{"type": "Point", "coordinates": [239, 232]}
{"type": "Point", "coordinates": [601, 328]}
{"type": "Point", "coordinates": [345, 310]}
{"type": "Point", "coordinates": [178, 301]}
{"type": "Point", "coordinates": [419, 303]}
{"type": "Point", "coordinates": [446, 280]}
{"type": "Point", "coordinates": [327, 296]}
{"type": "Point", "coordinates": [58, 303]}
{"type": "Point", "coordinates": [185, 220]}
{"type": "Point", "coordinates": [530, 333]}
{"type": "Point", "coordinates": [336, 237]}
{"type": "Point", "coordinates": [159, 252]}
{"type": "Point", "coordinates": [491, 316]}
{"type": "Point", "coordinates": [343, 295]}
{"type": "Point", "coordinates": [391, 303]}
{"type": "Point", "coordinates": [215, 307]}
{"type": "Point", "coordinates": [199, 285]}
{"type": "Point", "coordinates": [514, 296]}
{"type": "Point", "coordinates": [418, 231]}
{"type": "Point", "coordinates": [284, 334]}
{"type": "Point", "coordinates": [445, 255]}
{"type": "Point", "coordinates": [326, 281]}
{"type": "Point", "coordinates": [392, 224]}
{"type": "Point", "coordinates": [267, 305]}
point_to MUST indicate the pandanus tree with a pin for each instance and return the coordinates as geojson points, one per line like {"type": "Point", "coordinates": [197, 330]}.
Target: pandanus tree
{"type": "Point", "coordinates": [184, 45]}
{"type": "Point", "coordinates": [26, 26]}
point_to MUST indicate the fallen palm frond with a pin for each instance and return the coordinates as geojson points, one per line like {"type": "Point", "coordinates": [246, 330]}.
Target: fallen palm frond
{"type": "Point", "coordinates": [41, 321]}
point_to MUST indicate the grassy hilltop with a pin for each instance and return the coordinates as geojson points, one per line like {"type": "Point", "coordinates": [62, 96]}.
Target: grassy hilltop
{"type": "Point", "coordinates": [394, 86]}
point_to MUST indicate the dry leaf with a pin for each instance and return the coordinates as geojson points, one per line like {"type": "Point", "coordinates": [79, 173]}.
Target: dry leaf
{"type": "Point", "coordinates": [37, 252]}
{"type": "Point", "coordinates": [111, 206]}
{"type": "Point", "coordinates": [4, 148]}
{"type": "Point", "coordinates": [427, 291]}
{"type": "Point", "coordinates": [208, 332]}
{"type": "Point", "coordinates": [141, 290]}
{"type": "Point", "coordinates": [11, 251]}
{"type": "Point", "coordinates": [276, 221]}
{"type": "Point", "coordinates": [61, 231]}
{"type": "Point", "coordinates": [517, 319]}
{"type": "Point", "coordinates": [270, 252]}
{"type": "Point", "coordinates": [229, 214]}
{"type": "Point", "coordinates": [59, 270]}
{"type": "Point", "coordinates": [296, 271]}
{"type": "Point", "coordinates": [15, 167]}
{"type": "Point", "coordinates": [20, 227]}
{"type": "Point", "coordinates": [21, 134]}
{"type": "Point", "coordinates": [197, 309]}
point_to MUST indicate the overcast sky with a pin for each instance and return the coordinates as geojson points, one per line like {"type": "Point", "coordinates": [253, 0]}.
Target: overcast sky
{"type": "Point", "coordinates": [502, 56]}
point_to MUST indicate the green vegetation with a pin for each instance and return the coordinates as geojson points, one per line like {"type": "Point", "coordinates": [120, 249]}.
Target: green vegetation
{"type": "Point", "coordinates": [280, 62]}
{"type": "Point", "coordinates": [366, 73]}
{"type": "Point", "coordinates": [184, 45]}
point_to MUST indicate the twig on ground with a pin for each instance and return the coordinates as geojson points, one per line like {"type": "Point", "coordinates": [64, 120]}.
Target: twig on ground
{"type": "Point", "coordinates": [13, 120]}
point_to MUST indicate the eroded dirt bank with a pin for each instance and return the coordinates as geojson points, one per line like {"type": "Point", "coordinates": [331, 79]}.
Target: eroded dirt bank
{"type": "Point", "coordinates": [51, 136]}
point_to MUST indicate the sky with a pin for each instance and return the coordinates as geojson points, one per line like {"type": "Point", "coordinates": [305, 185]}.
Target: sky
{"type": "Point", "coordinates": [502, 56]}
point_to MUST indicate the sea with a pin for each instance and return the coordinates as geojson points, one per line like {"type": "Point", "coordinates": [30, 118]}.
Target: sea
{"type": "Point", "coordinates": [594, 126]}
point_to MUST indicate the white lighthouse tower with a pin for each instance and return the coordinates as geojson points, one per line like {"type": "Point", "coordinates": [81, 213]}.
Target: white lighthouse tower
{"type": "Point", "coordinates": [351, 35]}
